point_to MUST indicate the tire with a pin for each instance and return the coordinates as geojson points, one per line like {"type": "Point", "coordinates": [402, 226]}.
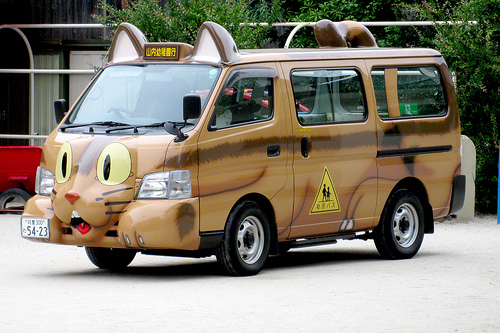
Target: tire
{"type": "Point", "coordinates": [106, 258]}
{"type": "Point", "coordinates": [400, 232]}
{"type": "Point", "coordinates": [246, 241]}
{"type": "Point", "coordinates": [13, 199]}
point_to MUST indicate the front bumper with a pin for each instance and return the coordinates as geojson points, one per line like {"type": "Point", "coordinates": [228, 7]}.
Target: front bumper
{"type": "Point", "coordinates": [144, 224]}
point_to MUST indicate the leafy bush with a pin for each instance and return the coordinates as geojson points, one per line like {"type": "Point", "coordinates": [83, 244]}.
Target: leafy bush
{"type": "Point", "coordinates": [472, 51]}
{"type": "Point", "coordinates": [334, 10]}
{"type": "Point", "coordinates": [179, 20]}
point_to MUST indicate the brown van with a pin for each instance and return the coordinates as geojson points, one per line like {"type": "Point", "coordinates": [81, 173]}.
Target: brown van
{"type": "Point", "coordinates": [199, 150]}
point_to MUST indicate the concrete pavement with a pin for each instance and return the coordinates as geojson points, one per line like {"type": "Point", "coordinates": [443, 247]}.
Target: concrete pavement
{"type": "Point", "coordinates": [452, 285]}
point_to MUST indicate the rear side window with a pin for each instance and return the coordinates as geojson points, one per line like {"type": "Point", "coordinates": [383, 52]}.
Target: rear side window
{"type": "Point", "coordinates": [328, 96]}
{"type": "Point", "coordinates": [247, 97]}
{"type": "Point", "coordinates": [409, 91]}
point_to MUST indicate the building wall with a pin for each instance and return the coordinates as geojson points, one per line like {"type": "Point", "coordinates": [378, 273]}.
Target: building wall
{"type": "Point", "coordinates": [52, 49]}
{"type": "Point", "coordinates": [46, 92]}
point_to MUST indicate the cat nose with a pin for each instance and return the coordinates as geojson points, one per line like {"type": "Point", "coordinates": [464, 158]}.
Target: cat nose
{"type": "Point", "coordinates": [71, 197]}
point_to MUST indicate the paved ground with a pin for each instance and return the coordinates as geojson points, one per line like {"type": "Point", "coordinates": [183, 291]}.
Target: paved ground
{"type": "Point", "coordinates": [452, 285]}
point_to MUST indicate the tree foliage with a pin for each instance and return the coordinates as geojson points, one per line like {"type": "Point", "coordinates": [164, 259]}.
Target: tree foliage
{"type": "Point", "coordinates": [334, 10]}
{"type": "Point", "coordinates": [472, 51]}
{"type": "Point", "coordinates": [179, 20]}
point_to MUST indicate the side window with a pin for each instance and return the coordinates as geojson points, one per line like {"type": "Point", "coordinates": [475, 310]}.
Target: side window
{"type": "Point", "coordinates": [409, 91]}
{"type": "Point", "coordinates": [244, 99]}
{"type": "Point", "coordinates": [328, 96]}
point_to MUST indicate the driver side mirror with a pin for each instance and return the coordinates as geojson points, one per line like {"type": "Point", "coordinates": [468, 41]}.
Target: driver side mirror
{"type": "Point", "coordinates": [60, 109]}
{"type": "Point", "coordinates": [192, 106]}
{"type": "Point", "coordinates": [191, 110]}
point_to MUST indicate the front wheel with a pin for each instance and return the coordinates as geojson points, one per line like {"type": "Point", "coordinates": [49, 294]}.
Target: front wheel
{"type": "Point", "coordinates": [401, 229]}
{"type": "Point", "coordinates": [106, 258]}
{"type": "Point", "coordinates": [246, 242]}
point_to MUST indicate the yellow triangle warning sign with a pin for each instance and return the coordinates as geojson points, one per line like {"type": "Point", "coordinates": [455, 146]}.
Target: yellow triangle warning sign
{"type": "Point", "coordinates": [326, 200]}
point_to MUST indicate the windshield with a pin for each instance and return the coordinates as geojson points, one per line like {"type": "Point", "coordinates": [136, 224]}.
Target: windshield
{"type": "Point", "coordinates": [141, 95]}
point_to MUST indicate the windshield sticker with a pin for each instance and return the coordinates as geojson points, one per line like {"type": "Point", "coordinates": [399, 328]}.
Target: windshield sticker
{"type": "Point", "coordinates": [212, 73]}
{"type": "Point", "coordinates": [326, 200]}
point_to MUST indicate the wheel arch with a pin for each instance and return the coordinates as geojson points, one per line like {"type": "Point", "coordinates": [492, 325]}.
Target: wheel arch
{"type": "Point", "coordinates": [418, 188]}
{"type": "Point", "coordinates": [268, 209]}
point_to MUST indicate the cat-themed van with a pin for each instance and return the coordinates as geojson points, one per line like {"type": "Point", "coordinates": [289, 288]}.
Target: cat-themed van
{"type": "Point", "coordinates": [206, 150]}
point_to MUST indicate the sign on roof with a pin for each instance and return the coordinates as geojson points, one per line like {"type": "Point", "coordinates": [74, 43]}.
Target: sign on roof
{"type": "Point", "coordinates": [161, 51]}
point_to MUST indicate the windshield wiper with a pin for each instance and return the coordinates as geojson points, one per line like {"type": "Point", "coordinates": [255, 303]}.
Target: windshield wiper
{"type": "Point", "coordinates": [98, 123]}
{"type": "Point", "coordinates": [170, 126]}
{"type": "Point", "coordinates": [135, 127]}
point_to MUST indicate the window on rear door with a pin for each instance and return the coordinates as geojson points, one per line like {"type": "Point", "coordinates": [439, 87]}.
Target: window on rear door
{"type": "Point", "coordinates": [409, 91]}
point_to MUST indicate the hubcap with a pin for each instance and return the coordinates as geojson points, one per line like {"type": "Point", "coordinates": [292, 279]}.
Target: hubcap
{"type": "Point", "coordinates": [250, 240]}
{"type": "Point", "coordinates": [405, 225]}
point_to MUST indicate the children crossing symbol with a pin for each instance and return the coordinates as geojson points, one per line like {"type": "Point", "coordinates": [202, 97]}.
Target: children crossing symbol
{"type": "Point", "coordinates": [326, 200]}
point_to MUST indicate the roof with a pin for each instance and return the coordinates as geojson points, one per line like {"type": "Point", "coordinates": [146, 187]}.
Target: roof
{"type": "Point", "coordinates": [333, 53]}
{"type": "Point", "coordinates": [214, 45]}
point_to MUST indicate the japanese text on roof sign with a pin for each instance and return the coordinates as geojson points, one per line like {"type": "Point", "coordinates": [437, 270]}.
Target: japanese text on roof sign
{"type": "Point", "coordinates": [162, 52]}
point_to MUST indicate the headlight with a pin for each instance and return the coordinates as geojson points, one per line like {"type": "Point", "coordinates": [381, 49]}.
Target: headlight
{"type": "Point", "coordinates": [44, 183]}
{"type": "Point", "coordinates": [166, 185]}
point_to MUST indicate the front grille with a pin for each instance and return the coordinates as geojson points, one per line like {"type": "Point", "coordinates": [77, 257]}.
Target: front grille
{"type": "Point", "coordinates": [66, 230]}
{"type": "Point", "coordinates": [113, 231]}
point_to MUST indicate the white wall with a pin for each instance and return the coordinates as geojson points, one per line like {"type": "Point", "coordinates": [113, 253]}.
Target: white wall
{"type": "Point", "coordinates": [83, 60]}
{"type": "Point", "coordinates": [469, 170]}
{"type": "Point", "coordinates": [45, 93]}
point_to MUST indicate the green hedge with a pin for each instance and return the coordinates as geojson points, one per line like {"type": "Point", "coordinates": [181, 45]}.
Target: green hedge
{"type": "Point", "coordinates": [472, 51]}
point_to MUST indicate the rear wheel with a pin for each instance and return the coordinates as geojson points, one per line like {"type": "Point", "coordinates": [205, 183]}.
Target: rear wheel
{"type": "Point", "coordinates": [401, 229]}
{"type": "Point", "coordinates": [246, 242]}
{"type": "Point", "coordinates": [107, 258]}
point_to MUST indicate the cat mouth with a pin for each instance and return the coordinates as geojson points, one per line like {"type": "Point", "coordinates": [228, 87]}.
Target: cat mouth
{"type": "Point", "coordinates": [80, 225]}
{"type": "Point", "coordinates": [83, 228]}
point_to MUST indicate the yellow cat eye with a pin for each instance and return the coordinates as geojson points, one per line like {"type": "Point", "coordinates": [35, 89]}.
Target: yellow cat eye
{"type": "Point", "coordinates": [114, 164]}
{"type": "Point", "coordinates": [64, 163]}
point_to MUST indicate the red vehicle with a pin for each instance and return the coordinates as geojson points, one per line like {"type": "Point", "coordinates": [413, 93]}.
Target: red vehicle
{"type": "Point", "coordinates": [17, 175]}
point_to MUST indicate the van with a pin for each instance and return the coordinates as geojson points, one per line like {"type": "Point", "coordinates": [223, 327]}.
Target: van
{"type": "Point", "coordinates": [206, 150]}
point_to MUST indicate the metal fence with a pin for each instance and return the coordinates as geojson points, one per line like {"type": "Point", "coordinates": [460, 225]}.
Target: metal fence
{"type": "Point", "coordinates": [33, 71]}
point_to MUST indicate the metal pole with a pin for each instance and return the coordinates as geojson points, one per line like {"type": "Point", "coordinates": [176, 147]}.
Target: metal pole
{"type": "Point", "coordinates": [498, 187]}
{"type": "Point", "coordinates": [47, 71]}
{"type": "Point", "coordinates": [23, 136]}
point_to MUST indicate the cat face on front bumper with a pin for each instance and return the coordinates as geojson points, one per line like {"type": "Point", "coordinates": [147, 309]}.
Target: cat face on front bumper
{"type": "Point", "coordinates": [94, 185]}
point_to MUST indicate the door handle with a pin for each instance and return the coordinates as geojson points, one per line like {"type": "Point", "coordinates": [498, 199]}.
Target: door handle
{"type": "Point", "coordinates": [304, 147]}
{"type": "Point", "coordinates": [273, 151]}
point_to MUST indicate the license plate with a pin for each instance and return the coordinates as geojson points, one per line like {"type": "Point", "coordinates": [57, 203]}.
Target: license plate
{"type": "Point", "coordinates": [35, 227]}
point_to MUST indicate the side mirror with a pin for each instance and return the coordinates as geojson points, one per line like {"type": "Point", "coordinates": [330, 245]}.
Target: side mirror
{"type": "Point", "coordinates": [60, 109]}
{"type": "Point", "coordinates": [192, 106]}
{"type": "Point", "coordinates": [191, 110]}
